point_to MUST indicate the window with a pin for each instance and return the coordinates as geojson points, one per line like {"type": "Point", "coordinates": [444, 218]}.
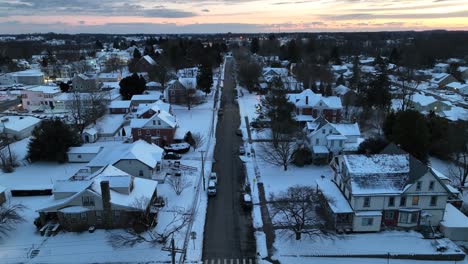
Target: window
{"type": "Point", "coordinates": [84, 216]}
{"type": "Point", "coordinates": [333, 143]}
{"type": "Point", "coordinates": [323, 131]}
{"type": "Point", "coordinates": [389, 215]}
{"type": "Point", "coordinates": [158, 132]}
{"type": "Point", "coordinates": [341, 143]}
{"type": "Point", "coordinates": [330, 131]}
{"type": "Point", "coordinates": [433, 201]}
{"type": "Point", "coordinates": [418, 186]}
{"type": "Point", "coordinates": [366, 202]}
{"type": "Point", "coordinates": [154, 122]}
{"type": "Point", "coordinates": [172, 92]}
{"type": "Point", "coordinates": [403, 201]}
{"type": "Point", "coordinates": [148, 132]}
{"type": "Point", "coordinates": [391, 201]}
{"type": "Point", "coordinates": [367, 221]}
{"type": "Point", "coordinates": [87, 200]}
{"type": "Point", "coordinates": [431, 186]}
{"type": "Point", "coordinates": [79, 156]}
{"type": "Point", "coordinates": [140, 173]}
{"type": "Point", "coordinates": [98, 216]}
{"type": "Point", "coordinates": [117, 215]}
{"type": "Point", "coordinates": [317, 141]}
{"type": "Point", "coordinates": [415, 200]}
{"type": "Point", "coordinates": [413, 218]}
{"type": "Point", "coordinates": [139, 132]}
{"type": "Point", "coordinates": [159, 122]}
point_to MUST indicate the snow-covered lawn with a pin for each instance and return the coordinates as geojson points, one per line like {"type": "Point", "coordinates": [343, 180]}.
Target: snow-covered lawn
{"type": "Point", "coordinates": [393, 242]}
{"type": "Point", "coordinates": [69, 247]}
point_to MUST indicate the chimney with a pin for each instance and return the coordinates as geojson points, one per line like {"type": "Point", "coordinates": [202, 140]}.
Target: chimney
{"type": "Point", "coordinates": [106, 205]}
{"type": "Point", "coordinates": [307, 100]}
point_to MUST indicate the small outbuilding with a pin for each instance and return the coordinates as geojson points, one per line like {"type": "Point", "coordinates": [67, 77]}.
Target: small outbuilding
{"type": "Point", "coordinates": [455, 224]}
{"type": "Point", "coordinates": [82, 154]}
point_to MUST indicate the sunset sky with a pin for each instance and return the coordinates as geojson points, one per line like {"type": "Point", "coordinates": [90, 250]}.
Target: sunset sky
{"type": "Point", "coordinates": [213, 16]}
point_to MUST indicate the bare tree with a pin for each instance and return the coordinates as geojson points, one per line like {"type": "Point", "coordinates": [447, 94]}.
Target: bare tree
{"type": "Point", "coordinates": [277, 152]}
{"type": "Point", "coordinates": [298, 210]}
{"type": "Point", "coordinates": [179, 184]}
{"type": "Point", "coordinates": [86, 108]}
{"type": "Point", "coordinates": [458, 172]}
{"type": "Point", "coordinates": [130, 237]}
{"type": "Point", "coordinates": [198, 140]}
{"type": "Point", "coordinates": [114, 63]}
{"type": "Point", "coordinates": [408, 83]}
{"type": "Point", "coordinates": [9, 160]}
{"type": "Point", "coordinates": [9, 217]}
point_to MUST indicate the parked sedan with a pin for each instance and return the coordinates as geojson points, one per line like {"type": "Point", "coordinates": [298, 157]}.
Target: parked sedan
{"type": "Point", "coordinates": [172, 156]}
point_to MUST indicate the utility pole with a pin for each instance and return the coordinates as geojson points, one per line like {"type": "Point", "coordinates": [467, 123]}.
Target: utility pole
{"type": "Point", "coordinates": [173, 250]}
{"type": "Point", "coordinates": [203, 168]}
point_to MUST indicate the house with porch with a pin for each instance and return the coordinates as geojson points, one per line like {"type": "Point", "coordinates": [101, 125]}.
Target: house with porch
{"type": "Point", "coordinates": [309, 106]}
{"type": "Point", "coordinates": [327, 139]}
{"type": "Point", "coordinates": [385, 191]}
{"type": "Point", "coordinates": [109, 198]}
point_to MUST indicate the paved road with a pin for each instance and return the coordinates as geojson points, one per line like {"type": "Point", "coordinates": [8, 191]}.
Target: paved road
{"type": "Point", "coordinates": [228, 228]}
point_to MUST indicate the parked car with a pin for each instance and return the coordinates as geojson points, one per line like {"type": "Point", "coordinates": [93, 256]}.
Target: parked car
{"type": "Point", "coordinates": [241, 150]}
{"type": "Point", "coordinates": [247, 201]}
{"type": "Point", "coordinates": [239, 132]}
{"type": "Point", "coordinates": [172, 156]}
{"type": "Point", "coordinates": [214, 178]}
{"type": "Point", "coordinates": [211, 188]}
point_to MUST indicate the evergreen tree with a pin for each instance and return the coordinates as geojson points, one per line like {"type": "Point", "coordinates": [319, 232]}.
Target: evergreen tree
{"type": "Point", "coordinates": [394, 57]}
{"type": "Point", "coordinates": [205, 78]}
{"type": "Point", "coordinates": [51, 140]}
{"type": "Point", "coordinates": [321, 88]}
{"type": "Point", "coordinates": [340, 80]}
{"type": "Point", "coordinates": [116, 44]}
{"type": "Point", "coordinates": [132, 85]}
{"type": "Point", "coordinates": [136, 54]}
{"type": "Point", "coordinates": [64, 87]}
{"type": "Point", "coordinates": [328, 90]}
{"type": "Point", "coordinates": [132, 43]}
{"type": "Point", "coordinates": [411, 132]}
{"type": "Point", "coordinates": [355, 81]}
{"type": "Point", "coordinates": [293, 51]}
{"type": "Point", "coordinates": [335, 56]}
{"type": "Point", "coordinates": [254, 46]}
{"type": "Point", "coordinates": [98, 45]}
{"type": "Point", "coordinates": [276, 106]}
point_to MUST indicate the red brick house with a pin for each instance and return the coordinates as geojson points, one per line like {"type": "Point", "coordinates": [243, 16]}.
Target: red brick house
{"type": "Point", "coordinates": [158, 129]}
{"type": "Point", "coordinates": [310, 106]}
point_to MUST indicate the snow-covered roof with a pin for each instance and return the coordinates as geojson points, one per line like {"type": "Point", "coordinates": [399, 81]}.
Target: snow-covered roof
{"type": "Point", "coordinates": [120, 104]}
{"type": "Point", "coordinates": [46, 89]}
{"type": "Point", "coordinates": [441, 65]}
{"type": "Point", "coordinates": [147, 97]}
{"type": "Point", "coordinates": [379, 173]}
{"type": "Point", "coordinates": [18, 123]}
{"type": "Point", "coordinates": [333, 102]}
{"type": "Point", "coordinates": [66, 186]}
{"type": "Point", "coordinates": [188, 82]}
{"type": "Point", "coordinates": [309, 98]}
{"type": "Point", "coordinates": [320, 149]}
{"type": "Point", "coordinates": [454, 218]}
{"type": "Point", "coordinates": [149, 59]}
{"type": "Point", "coordinates": [149, 154]}
{"type": "Point", "coordinates": [456, 113]}
{"type": "Point", "coordinates": [156, 106]}
{"type": "Point", "coordinates": [153, 84]}
{"type": "Point", "coordinates": [335, 198]}
{"type": "Point", "coordinates": [164, 116]}
{"type": "Point", "coordinates": [2, 189]}
{"type": "Point", "coordinates": [31, 72]}
{"type": "Point", "coordinates": [423, 100]}
{"type": "Point", "coordinates": [341, 89]}
{"type": "Point", "coordinates": [275, 71]}
{"type": "Point", "coordinates": [109, 124]}
{"type": "Point", "coordinates": [369, 213]}
{"type": "Point", "coordinates": [437, 78]}
{"type": "Point", "coordinates": [84, 150]}
{"type": "Point", "coordinates": [457, 85]}
{"type": "Point", "coordinates": [347, 129]}
{"type": "Point", "coordinates": [339, 68]}
{"type": "Point", "coordinates": [74, 209]}
{"type": "Point", "coordinates": [377, 163]}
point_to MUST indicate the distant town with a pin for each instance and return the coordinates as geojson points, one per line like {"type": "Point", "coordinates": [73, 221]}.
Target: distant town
{"type": "Point", "coordinates": [234, 148]}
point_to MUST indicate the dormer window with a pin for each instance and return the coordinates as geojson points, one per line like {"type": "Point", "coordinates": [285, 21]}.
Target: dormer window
{"type": "Point", "coordinates": [418, 185]}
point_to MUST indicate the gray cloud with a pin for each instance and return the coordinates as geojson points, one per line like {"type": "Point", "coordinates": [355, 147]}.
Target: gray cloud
{"type": "Point", "coordinates": [88, 7]}
{"type": "Point", "coordinates": [358, 16]}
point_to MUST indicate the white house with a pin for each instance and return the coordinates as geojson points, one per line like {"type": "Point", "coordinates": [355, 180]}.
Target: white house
{"type": "Point", "coordinates": [139, 159]}
{"type": "Point", "coordinates": [441, 68]}
{"type": "Point", "coordinates": [109, 198]}
{"type": "Point", "coordinates": [27, 77]}
{"type": "Point", "coordinates": [327, 139]}
{"type": "Point", "coordinates": [82, 154]}
{"type": "Point", "coordinates": [39, 97]}
{"type": "Point", "coordinates": [387, 190]}
{"type": "Point", "coordinates": [18, 127]}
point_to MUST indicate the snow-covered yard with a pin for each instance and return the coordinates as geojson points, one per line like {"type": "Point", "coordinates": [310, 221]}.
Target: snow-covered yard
{"type": "Point", "coordinates": [290, 250]}
{"type": "Point", "coordinates": [69, 247]}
